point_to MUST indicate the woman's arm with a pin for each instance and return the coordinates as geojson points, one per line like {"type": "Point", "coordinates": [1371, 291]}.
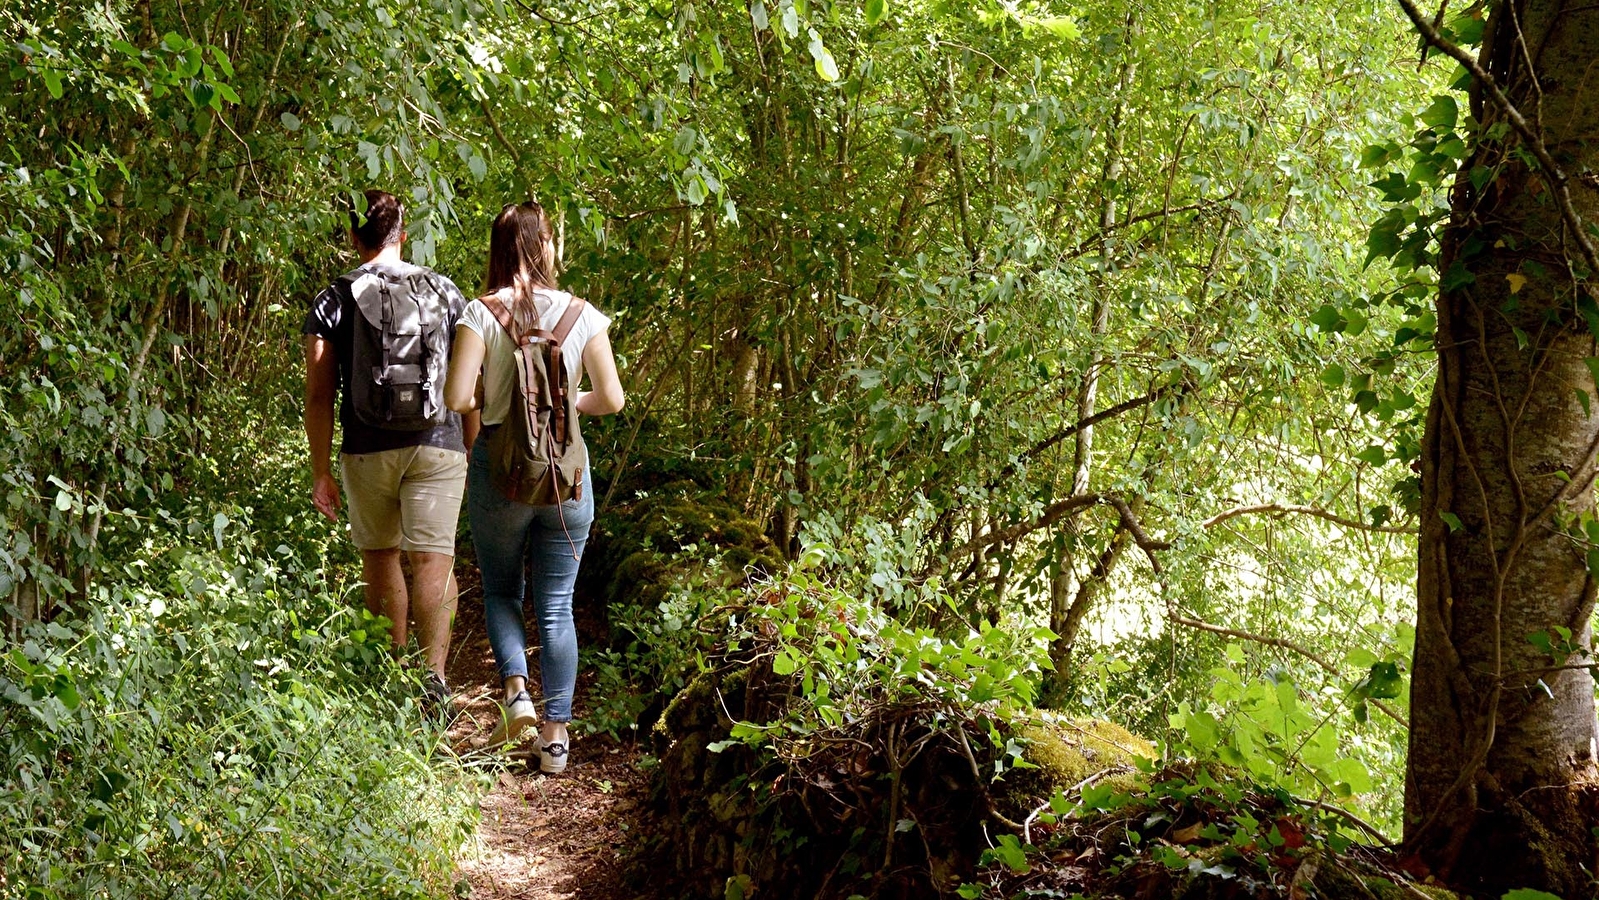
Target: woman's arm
{"type": "Point", "coordinates": [606, 396]}
{"type": "Point", "coordinates": [466, 360]}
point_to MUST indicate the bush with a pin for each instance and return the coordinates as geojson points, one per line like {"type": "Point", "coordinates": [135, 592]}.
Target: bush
{"type": "Point", "coordinates": [219, 722]}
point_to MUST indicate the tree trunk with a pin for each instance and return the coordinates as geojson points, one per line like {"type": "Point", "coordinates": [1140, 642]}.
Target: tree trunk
{"type": "Point", "coordinates": [1501, 785]}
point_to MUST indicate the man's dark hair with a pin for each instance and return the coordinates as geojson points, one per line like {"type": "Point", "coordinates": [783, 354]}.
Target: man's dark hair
{"type": "Point", "coordinates": [384, 221]}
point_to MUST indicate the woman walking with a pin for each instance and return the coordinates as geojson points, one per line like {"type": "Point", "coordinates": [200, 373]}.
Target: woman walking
{"type": "Point", "coordinates": [520, 300]}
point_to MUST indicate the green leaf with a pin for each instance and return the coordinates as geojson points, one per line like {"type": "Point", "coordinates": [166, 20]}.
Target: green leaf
{"type": "Point", "coordinates": [758, 16]}
{"type": "Point", "coordinates": [1352, 772]}
{"type": "Point", "coordinates": [1360, 658]}
{"type": "Point", "coordinates": [1326, 318]}
{"type": "Point", "coordinates": [875, 10]}
{"type": "Point", "coordinates": [1061, 27]}
{"type": "Point", "coordinates": [1529, 894]}
{"type": "Point", "coordinates": [686, 139]}
{"type": "Point", "coordinates": [1376, 155]}
{"type": "Point", "coordinates": [1333, 376]}
{"type": "Point", "coordinates": [290, 121]}
{"type": "Point", "coordinates": [1382, 682]}
{"type": "Point", "coordinates": [1442, 112]}
{"type": "Point", "coordinates": [223, 63]}
{"type": "Point", "coordinates": [1354, 322]}
{"type": "Point", "coordinates": [52, 82]}
{"type": "Point", "coordinates": [1204, 731]}
{"type": "Point", "coordinates": [826, 67]}
{"type": "Point", "coordinates": [63, 501]}
{"type": "Point", "coordinates": [1468, 31]}
{"type": "Point", "coordinates": [694, 192]}
{"type": "Point", "coordinates": [785, 663]}
{"type": "Point", "coordinates": [1452, 520]}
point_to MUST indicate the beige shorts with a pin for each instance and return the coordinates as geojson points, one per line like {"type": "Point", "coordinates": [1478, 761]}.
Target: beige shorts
{"type": "Point", "coordinates": [408, 498]}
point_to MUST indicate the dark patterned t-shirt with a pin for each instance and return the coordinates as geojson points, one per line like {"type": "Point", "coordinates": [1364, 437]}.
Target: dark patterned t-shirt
{"type": "Point", "coordinates": [331, 317]}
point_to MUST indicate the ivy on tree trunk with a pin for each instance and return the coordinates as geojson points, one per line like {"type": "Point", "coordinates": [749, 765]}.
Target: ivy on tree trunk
{"type": "Point", "coordinates": [1500, 789]}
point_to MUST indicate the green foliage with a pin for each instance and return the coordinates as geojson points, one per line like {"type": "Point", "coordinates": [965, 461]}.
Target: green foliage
{"type": "Point", "coordinates": [210, 720]}
{"type": "Point", "coordinates": [1278, 733]}
{"type": "Point", "coordinates": [850, 657]}
{"type": "Point", "coordinates": [870, 265]}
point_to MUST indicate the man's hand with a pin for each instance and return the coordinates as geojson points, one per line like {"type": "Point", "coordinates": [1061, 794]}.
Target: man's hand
{"type": "Point", "coordinates": [325, 494]}
{"type": "Point", "coordinates": [321, 378]}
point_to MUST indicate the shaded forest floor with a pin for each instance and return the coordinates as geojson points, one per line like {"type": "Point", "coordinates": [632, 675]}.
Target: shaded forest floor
{"type": "Point", "coordinates": [541, 837]}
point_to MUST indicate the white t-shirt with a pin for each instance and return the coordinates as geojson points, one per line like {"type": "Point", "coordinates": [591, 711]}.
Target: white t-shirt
{"type": "Point", "coordinates": [499, 373]}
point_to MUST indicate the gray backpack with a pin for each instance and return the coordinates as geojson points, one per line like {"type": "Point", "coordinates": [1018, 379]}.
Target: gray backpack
{"type": "Point", "coordinates": [400, 349]}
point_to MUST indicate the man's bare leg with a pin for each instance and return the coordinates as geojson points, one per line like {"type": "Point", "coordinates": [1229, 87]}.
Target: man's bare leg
{"type": "Point", "coordinates": [385, 590]}
{"type": "Point", "coordinates": [433, 597]}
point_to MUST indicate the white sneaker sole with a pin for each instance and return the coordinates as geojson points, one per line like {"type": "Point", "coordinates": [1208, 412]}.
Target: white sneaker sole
{"type": "Point", "coordinates": [551, 764]}
{"type": "Point", "coordinates": [510, 727]}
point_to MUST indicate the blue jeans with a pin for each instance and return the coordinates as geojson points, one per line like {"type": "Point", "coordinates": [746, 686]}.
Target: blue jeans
{"type": "Point", "coordinates": [507, 535]}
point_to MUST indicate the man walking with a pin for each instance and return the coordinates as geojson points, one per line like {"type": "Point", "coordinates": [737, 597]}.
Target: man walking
{"type": "Point", "coordinates": [379, 338]}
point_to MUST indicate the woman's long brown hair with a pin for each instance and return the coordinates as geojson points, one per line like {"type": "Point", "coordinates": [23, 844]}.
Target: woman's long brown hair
{"type": "Point", "coordinates": [522, 258]}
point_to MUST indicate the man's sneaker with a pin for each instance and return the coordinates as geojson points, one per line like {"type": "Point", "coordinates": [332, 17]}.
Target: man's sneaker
{"type": "Point", "coordinates": [435, 692]}
{"type": "Point", "coordinates": [552, 756]}
{"type": "Point", "coordinates": [515, 718]}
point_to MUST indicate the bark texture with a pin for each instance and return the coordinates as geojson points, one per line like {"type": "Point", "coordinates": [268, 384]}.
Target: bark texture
{"type": "Point", "coordinates": [1500, 788]}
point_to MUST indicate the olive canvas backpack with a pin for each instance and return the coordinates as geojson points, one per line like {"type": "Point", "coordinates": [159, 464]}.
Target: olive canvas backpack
{"type": "Point", "coordinates": [537, 455]}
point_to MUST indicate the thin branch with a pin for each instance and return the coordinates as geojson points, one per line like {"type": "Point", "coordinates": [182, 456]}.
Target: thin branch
{"type": "Point", "coordinates": [1334, 518]}
{"type": "Point", "coordinates": [1110, 413]}
{"type": "Point", "coordinates": [494, 125]}
{"type": "Point", "coordinates": [1529, 135]}
{"type": "Point", "coordinates": [1349, 816]}
{"type": "Point", "coordinates": [1052, 514]}
{"type": "Point", "coordinates": [1284, 644]}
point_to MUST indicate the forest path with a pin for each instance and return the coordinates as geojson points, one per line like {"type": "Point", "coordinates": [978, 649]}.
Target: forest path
{"type": "Point", "coordinates": [541, 837]}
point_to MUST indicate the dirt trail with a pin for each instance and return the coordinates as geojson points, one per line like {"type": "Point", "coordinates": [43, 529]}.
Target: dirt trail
{"type": "Point", "coordinates": [541, 837]}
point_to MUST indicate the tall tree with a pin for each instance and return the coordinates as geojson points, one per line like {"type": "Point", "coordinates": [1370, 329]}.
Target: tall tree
{"type": "Point", "coordinates": [1501, 786]}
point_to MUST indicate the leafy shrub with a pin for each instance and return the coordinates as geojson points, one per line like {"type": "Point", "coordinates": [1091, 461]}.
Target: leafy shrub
{"type": "Point", "coordinates": [662, 562]}
{"type": "Point", "coordinates": [219, 722]}
{"type": "Point", "coordinates": [827, 744]}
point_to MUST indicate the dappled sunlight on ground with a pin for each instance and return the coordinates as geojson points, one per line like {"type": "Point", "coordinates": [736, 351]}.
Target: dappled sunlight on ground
{"type": "Point", "coordinates": [541, 837]}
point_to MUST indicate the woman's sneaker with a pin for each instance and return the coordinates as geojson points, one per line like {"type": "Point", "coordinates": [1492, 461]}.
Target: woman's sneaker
{"type": "Point", "coordinates": [515, 718]}
{"type": "Point", "coordinates": [552, 756]}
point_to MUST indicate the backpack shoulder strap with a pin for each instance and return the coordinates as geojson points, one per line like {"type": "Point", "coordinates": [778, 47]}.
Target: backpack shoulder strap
{"type": "Point", "coordinates": [574, 309]}
{"type": "Point", "coordinates": [501, 314]}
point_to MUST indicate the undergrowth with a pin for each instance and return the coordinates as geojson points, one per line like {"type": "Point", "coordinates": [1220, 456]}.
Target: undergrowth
{"type": "Point", "coordinates": [216, 716]}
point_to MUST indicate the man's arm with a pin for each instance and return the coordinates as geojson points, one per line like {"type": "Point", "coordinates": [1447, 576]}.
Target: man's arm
{"type": "Point", "coordinates": [321, 381]}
